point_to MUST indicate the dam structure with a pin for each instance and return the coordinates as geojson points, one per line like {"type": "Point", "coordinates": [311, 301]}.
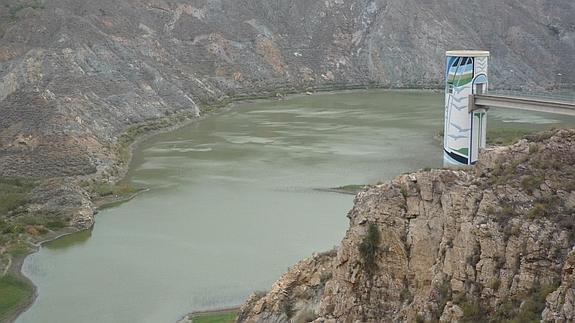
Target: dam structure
{"type": "Point", "coordinates": [467, 103]}
{"type": "Point", "coordinates": [464, 132]}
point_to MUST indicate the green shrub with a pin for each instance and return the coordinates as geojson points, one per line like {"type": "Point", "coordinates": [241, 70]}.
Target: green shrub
{"type": "Point", "coordinates": [567, 223]}
{"type": "Point", "coordinates": [547, 162]}
{"type": "Point", "coordinates": [472, 312]}
{"type": "Point", "coordinates": [11, 201]}
{"type": "Point", "coordinates": [506, 136]}
{"type": "Point", "coordinates": [13, 228]}
{"type": "Point", "coordinates": [325, 277]}
{"type": "Point", "coordinates": [56, 224]}
{"type": "Point", "coordinates": [549, 200]}
{"type": "Point", "coordinates": [507, 211]}
{"type": "Point", "coordinates": [18, 249]}
{"type": "Point", "coordinates": [3, 225]}
{"type": "Point", "coordinates": [103, 189]}
{"type": "Point", "coordinates": [31, 220]}
{"type": "Point", "coordinates": [13, 193]}
{"type": "Point", "coordinates": [505, 214]}
{"type": "Point", "coordinates": [504, 312]}
{"type": "Point", "coordinates": [107, 189]}
{"type": "Point", "coordinates": [538, 210]}
{"type": "Point", "coordinates": [288, 308]}
{"type": "Point", "coordinates": [499, 262]}
{"type": "Point", "coordinates": [369, 246]}
{"type": "Point", "coordinates": [495, 284]}
{"type": "Point", "coordinates": [403, 191]}
{"type": "Point", "coordinates": [354, 189]}
{"type": "Point", "coordinates": [530, 310]}
{"type": "Point", "coordinates": [406, 295]}
{"type": "Point", "coordinates": [490, 210]}
{"type": "Point", "coordinates": [531, 183]}
{"type": "Point", "coordinates": [541, 136]}
{"type": "Point", "coordinates": [526, 310]}
{"type": "Point", "coordinates": [445, 290]}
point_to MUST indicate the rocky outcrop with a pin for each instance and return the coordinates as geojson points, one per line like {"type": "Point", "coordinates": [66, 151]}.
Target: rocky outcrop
{"type": "Point", "coordinates": [58, 199]}
{"type": "Point", "coordinates": [561, 303]}
{"type": "Point", "coordinates": [296, 293]}
{"type": "Point", "coordinates": [448, 245]}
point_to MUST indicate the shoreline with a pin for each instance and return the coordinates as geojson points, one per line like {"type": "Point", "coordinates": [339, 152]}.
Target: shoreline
{"type": "Point", "coordinates": [188, 318]}
{"type": "Point", "coordinates": [123, 168]}
{"type": "Point", "coordinates": [18, 263]}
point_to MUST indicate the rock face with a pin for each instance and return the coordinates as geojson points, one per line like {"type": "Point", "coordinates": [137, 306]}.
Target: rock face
{"type": "Point", "coordinates": [57, 198]}
{"type": "Point", "coordinates": [76, 74]}
{"type": "Point", "coordinates": [561, 303]}
{"type": "Point", "coordinates": [492, 243]}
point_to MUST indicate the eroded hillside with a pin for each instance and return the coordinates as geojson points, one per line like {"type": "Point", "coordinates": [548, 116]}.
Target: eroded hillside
{"type": "Point", "coordinates": [76, 74]}
{"type": "Point", "coordinates": [491, 244]}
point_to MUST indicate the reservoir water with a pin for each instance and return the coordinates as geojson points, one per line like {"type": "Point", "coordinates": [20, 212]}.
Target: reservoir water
{"type": "Point", "coordinates": [233, 202]}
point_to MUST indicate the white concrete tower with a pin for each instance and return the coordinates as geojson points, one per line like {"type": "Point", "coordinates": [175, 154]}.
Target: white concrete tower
{"type": "Point", "coordinates": [464, 132]}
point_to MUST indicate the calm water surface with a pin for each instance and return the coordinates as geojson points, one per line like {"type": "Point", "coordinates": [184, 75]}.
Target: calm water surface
{"type": "Point", "coordinates": [232, 204]}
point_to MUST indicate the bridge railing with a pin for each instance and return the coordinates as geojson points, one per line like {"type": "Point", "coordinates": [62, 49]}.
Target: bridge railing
{"type": "Point", "coordinates": [564, 96]}
{"type": "Point", "coordinates": [538, 104]}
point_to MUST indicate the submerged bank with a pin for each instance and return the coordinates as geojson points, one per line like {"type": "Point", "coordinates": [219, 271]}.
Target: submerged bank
{"type": "Point", "coordinates": [224, 315]}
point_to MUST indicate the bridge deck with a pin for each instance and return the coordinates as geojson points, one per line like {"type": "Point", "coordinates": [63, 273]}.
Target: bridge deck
{"type": "Point", "coordinates": [511, 102]}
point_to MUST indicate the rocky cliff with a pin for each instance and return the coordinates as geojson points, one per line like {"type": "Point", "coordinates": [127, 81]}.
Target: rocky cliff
{"type": "Point", "coordinates": [494, 243]}
{"type": "Point", "coordinates": [75, 75]}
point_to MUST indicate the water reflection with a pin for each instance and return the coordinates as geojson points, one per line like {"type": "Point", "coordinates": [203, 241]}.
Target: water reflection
{"type": "Point", "coordinates": [69, 241]}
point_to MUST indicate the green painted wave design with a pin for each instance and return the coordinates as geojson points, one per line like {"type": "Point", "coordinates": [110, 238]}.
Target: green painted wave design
{"type": "Point", "coordinates": [463, 151]}
{"type": "Point", "coordinates": [461, 80]}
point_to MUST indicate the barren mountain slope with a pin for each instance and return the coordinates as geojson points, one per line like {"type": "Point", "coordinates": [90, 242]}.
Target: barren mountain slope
{"type": "Point", "coordinates": [75, 74]}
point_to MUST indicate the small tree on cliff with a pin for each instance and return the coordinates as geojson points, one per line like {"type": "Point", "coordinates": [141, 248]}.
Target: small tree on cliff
{"type": "Point", "coordinates": [369, 246]}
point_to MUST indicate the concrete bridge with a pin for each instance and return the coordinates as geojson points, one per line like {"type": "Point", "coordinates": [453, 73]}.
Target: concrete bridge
{"type": "Point", "coordinates": [485, 101]}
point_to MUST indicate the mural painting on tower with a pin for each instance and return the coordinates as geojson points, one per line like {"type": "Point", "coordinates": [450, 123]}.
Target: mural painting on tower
{"type": "Point", "coordinates": [464, 132]}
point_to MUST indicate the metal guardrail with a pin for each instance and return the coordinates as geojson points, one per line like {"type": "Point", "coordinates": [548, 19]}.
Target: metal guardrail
{"type": "Point", "coordinates": [521, 103]}
{"type": "Point", "coordinates": [557, 95]}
